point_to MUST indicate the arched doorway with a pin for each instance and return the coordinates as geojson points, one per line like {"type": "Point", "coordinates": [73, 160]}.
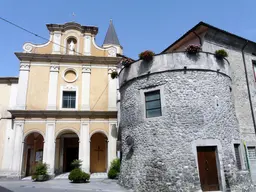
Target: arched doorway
{"type": "Point", "coordinates": [67, 148]}
{"type": "Point", "coordinates": [33, 152]}
{"type": "Point", "coordinates": [98, 153]}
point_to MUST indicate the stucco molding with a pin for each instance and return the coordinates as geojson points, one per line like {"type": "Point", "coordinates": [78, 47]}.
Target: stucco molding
{"type": "Point", "coordinates": [98, 131]}
{"type": "Point", "coordinates": [28, 47]}
{"type": "Point", "coordinates": [59, 132]}
{"type": "Point", "coordinates": [62, 113]}
{"type": "Point", "coordinates": [35, 57]}
{"type": "Point", "coordinates": [33, 131]}
{"type": "Point", "coordinates": [68, 87]}
{"type": "Point", "coordinates": [25, 66]}
{"type": "Point", "coordinates": [111, 69]}
{"type": "Point", "coordinates": [70, 69]}
{"type": "Point", "coordinates": [54, 67]}
{"type": "Point", "coordinates": [86, 69]}
{"type": "Point", "coordinates": [111, 50]}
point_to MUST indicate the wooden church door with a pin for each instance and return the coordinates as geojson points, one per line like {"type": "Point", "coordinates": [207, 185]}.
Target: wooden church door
{"type": "Point", "coordinates": [98, 153]}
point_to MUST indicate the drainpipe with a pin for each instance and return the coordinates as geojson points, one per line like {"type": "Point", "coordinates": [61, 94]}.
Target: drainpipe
{"type": "Point", "coordinates": [248, 87]}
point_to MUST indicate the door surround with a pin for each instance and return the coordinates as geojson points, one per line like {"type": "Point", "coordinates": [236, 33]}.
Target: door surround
{"type": "Point", "coordinates": [211, 143]}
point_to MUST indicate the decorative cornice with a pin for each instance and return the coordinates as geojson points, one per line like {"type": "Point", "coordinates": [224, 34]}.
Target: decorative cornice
{"type": "Point", "coordinates": [24, 66]}
{"type": "Point", "coordinates": [72, 25]}
{"type": "Point", "coordinates": [62, 113]}
{"type": "Point", "coordinates": [67, 58]}
{"type": "Point", "coordinates": [86, 69]}
{"type": "Point", "coordinates": [9, 80]}
{"type": "Point", "coordinates": [54, 67]}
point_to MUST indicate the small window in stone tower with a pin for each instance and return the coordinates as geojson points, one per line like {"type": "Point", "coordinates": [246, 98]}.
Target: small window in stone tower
{"type": "Point", "coordinates": [254, 69]}
{"type": "Point", "coordinates": [71, 48]}
{"type": "Point", "coordinates": [237, 154]}
{"type": "Point", "coordinates": [69, 99]}
{"type": "Point", "coordinates": [153, 104]}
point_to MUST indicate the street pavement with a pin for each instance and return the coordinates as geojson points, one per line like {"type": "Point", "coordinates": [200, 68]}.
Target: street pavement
{"type": "Point", "coordinates": [95, 185]}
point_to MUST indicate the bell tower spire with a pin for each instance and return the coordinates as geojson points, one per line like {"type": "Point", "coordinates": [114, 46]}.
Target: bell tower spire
{"type": "Point", "coordinates": [111, 36]}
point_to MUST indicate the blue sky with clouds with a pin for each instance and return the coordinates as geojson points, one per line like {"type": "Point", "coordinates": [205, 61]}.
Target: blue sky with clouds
{"type": "Point", "coordinates": [140, 24]}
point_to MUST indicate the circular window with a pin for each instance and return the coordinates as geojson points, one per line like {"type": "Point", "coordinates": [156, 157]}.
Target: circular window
{"type": "Point", "coordinates": [70, 75]}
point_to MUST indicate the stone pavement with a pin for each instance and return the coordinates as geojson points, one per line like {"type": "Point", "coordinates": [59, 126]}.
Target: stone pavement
{"type": "Point", "coordinates": [95, 185]}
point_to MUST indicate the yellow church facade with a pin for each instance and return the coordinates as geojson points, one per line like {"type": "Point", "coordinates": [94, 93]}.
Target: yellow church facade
{"type": "Point", "coordinates": [65, 104]}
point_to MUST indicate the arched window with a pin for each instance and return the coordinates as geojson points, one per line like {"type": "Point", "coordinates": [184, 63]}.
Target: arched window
{"type": "Point", "coordinates": [71, 46]}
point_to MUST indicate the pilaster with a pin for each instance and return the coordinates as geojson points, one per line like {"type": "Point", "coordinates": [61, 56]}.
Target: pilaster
{"type": "Point", "coordinates": [18, 148]}
{"type": "Point", "coordinates": [87, 44]}
{"type": "Point", "coordinates": [23, 85]}
{"type": "Point", "coordinates": [112, 83]}
{"type": "Point", "coordinates": [53, 83]}
{"type": "Point", "coordinates": [84, 147]}
{"type": "Point", "coordinates": [57, 41]}
{"type": "Point", "coordinates": [86, 76]}
{"type": "Point", "coordinates": [49, 146]}
{"type": "Point", "coordinates": [112, 143]}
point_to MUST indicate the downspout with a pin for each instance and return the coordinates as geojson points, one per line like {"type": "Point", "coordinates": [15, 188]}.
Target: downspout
{"type": "Point", "coordinates": [248, 87]}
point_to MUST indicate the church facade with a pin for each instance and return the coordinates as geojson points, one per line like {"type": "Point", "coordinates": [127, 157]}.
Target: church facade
{"type": "Point", "coordinates": [63, 104]}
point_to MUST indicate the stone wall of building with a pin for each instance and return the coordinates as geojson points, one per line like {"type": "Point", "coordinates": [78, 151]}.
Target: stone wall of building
{"type": "Point", "coordinates": [160, 153]}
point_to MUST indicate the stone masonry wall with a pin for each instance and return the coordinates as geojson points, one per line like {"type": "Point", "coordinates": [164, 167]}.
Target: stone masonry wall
{"type": "Point", "coordinates": [158, 153]}
{"type": "Point", "coordinates": [239, 86]}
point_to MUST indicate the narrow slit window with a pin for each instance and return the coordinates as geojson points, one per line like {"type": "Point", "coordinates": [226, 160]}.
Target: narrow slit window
{"type": "Point", "coordinates": [237, 154]}
{"type": "Point", "coordinates": [153, 104]}
{"type": "Point", "coordinates": [69, 99]}
{"type": "Point", "coordinates": [254, 69]}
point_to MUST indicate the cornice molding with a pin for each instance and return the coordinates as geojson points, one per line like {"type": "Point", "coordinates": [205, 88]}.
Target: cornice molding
{"type": "Point", "coordinates": [72, 25]}
{"type": "Point", "coordinates": [62, 113]}
{"type": "Point", "coordinates": [67, 58]}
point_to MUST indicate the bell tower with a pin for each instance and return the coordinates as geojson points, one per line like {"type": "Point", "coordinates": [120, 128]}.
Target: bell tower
{"type": "Point", "coordinates": [111, 39]}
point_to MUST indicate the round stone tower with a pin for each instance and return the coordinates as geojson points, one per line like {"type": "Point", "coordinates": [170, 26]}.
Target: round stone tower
{"type": "Point", "coordinates": [178, 126]}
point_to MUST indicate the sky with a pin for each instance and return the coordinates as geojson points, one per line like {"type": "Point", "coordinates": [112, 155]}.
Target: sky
{"type": "Point", "coordinates": [140, 24]}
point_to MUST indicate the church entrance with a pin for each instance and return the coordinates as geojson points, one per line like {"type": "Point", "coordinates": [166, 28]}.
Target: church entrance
{"type": "Point", "coordinates": [99, 148]}
{"type": "Point", "coordinates": [67, 147]}
{"type": "Point", "coordinates": [33, 152]}
{"type": "Point", "coordinates": [207, 163]}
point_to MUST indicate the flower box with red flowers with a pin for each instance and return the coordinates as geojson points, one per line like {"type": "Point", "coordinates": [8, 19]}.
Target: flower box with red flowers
{"type": "Point", "coordinates": [146, 55]}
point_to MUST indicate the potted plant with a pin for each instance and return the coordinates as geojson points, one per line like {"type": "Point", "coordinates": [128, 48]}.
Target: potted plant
{"type": "Point", "coordinates": [147, 55]}
{"type": "Point", "coordinates": [193, 49]}
{"type": "Point", "coordinates": [126, 62]}
{"type": "Point", "coordinates": [114, 74]}
{"type": "Point", "coordinates": [40, 172]}
{"type": "Point", "coordinates": [114, 169]}
{"type": "Point", "coordinates": [221, 54]}
{"type": "Point", "coordinates": [77, 175]}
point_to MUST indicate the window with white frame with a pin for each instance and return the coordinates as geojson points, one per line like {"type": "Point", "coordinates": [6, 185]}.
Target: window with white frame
{"type": "Point", "coordinates": [69, 99]}
{"type": "Point", "coordinates": [153, 104]}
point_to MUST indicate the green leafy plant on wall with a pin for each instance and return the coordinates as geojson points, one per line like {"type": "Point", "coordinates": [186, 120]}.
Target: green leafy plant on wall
{"type": "Point", "coordinates": [114, 74]}
{"type": "Point", "coordinates": [221, 54]}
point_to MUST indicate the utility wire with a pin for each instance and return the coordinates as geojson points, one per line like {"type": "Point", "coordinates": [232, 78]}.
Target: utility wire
{"type": "Point", "coordinates": [39, 36]}
{"type": "Point", "coordinates": [100, 95]}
